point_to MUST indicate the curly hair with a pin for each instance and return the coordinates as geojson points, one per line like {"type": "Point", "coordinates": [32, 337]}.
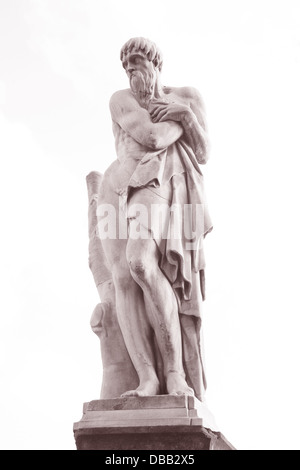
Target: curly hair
{"type": "Point", "coordinates": [146, 46]}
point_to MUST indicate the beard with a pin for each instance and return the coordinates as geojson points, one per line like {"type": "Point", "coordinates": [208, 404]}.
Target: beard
{"type": "Point", "coordinates": [142, 86]}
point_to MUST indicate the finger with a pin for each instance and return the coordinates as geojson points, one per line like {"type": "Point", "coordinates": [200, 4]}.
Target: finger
{"type": "Point", "coordinates": [157, 109]}
{"type": "Point", "coordinates": [160, 115]}
{"type": "Point", "coordinates": [164, 118]}
{"type": "Point", "coordinates": [169, 117]}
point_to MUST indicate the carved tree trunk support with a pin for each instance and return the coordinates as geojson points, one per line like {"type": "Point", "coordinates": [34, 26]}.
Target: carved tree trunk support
{"type": "Point", "coordinates": [119, 374]}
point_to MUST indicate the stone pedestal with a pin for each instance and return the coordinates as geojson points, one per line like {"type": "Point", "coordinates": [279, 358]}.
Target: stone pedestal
{"type": "Point", "coordinates": [162, 422]}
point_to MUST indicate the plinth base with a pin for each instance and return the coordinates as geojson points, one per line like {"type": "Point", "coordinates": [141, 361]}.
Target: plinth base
{"type": "Point", "coordinates": [162, 422]}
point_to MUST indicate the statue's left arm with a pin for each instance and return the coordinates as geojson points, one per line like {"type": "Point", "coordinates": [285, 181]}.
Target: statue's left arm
{"type": "Point", "coordinates": [192, 119]}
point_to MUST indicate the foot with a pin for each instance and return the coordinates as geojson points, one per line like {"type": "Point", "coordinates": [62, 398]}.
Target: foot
{"type": "Point", "coordinates": [176, 385]}
{"type": "Point", "coordinates": [146, 389]}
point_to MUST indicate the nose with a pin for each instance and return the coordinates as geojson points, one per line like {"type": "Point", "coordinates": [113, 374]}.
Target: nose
{"type": "Point", "coordinates": [130, 69]}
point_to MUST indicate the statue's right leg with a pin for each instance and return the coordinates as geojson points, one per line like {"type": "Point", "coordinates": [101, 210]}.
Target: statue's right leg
{"type": "Point", "coordinates": [130, 306]}
{"type": "Point", "coordinates": [134, 324]}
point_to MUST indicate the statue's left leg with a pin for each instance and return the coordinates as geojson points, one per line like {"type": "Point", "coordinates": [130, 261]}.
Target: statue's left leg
{"type": "Point", "coordinates": [162, 310]}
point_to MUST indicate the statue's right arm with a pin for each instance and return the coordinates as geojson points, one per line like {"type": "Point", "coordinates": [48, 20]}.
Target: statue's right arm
{"type": "Point", "coordinates": [136, 122]}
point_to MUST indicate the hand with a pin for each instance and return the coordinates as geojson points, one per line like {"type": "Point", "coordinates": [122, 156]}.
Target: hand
{"type": "Point", "coordinates": [161, 111]}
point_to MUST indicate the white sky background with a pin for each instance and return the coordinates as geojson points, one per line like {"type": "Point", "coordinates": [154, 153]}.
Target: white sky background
{"type": "Point", "coordinates": [59, 66]}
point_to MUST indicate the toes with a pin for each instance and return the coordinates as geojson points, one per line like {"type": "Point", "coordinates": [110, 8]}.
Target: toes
{"type": "Point", "coordinates": [188, 392]}
{"type": "Point", "coordinates": [130, 393]}
{"type": "Point", "coordinates": [144, 390]}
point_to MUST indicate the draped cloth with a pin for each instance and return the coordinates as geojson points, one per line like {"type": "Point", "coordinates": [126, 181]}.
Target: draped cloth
{"type": "Point", "coordinates": [169, 184]}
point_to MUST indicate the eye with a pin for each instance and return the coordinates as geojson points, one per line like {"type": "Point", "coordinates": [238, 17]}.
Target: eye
{"type": "Point", "coordinates": [135, 60]}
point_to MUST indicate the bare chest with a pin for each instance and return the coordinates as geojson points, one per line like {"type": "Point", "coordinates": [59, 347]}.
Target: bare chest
{"type": "Point", "coordinates": [174, 95]}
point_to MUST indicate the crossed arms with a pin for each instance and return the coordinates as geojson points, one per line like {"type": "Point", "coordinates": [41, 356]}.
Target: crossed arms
{"type": "Point", "coordinates": [164, 124]}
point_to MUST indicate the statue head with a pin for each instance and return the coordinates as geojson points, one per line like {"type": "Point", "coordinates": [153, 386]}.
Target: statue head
{"type": "Point", "coordinates": [142, 61]}
{"type": "Point", "coordinates": [146, 47]}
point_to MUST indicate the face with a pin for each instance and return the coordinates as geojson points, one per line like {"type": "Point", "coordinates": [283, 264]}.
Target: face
{"type": "Point", "coordinates": [136, 61]}
{"type": "Point", "coordinates": [142, 76]}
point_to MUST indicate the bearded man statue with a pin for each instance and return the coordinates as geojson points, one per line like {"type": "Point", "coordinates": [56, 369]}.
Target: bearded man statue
{"type": "Point", "coordinates": [156, 264]}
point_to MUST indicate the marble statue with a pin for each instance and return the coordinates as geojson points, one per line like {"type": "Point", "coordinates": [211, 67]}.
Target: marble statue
{"type": "Point", "coordinates": [147, 221]}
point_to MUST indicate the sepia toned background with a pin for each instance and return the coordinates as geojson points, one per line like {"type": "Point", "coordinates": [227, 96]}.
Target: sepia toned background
{"type": "Point", "coordinates": [59, 65]}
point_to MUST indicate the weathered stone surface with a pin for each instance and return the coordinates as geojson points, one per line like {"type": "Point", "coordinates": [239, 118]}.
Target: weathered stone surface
{"type": "Point", "coordinates": [151, 438]}
{"type": "Point", "coordinates": [158, 410]}
{"type": "Point", "coordinates": [138, 403]}
{"type": "Point", "coordinates": [157, 422]}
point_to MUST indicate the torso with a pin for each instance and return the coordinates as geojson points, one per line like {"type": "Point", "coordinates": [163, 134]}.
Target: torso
{"type": "Point", "coordinates": [126, 147]}
{"type": "Point", "coordinates": [130, 152]}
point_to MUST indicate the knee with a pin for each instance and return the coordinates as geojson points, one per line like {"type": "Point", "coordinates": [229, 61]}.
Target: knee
{"type": "Point", "coordinates": [140, 267]}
